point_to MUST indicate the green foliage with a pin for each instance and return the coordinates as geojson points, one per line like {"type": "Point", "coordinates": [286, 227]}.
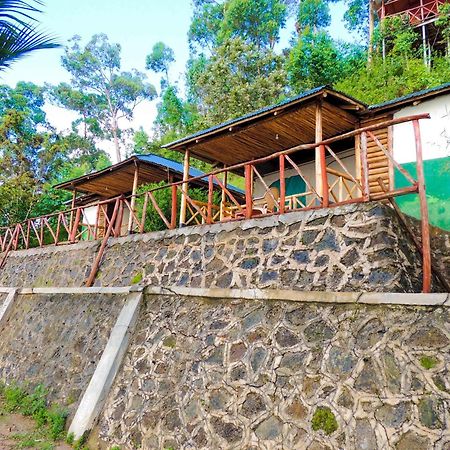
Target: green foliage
{"type": "Point", "coordinates": [17, 400]}
{"type": "Point", "coordinates": [243, 77]}
{"type": "Point", "coordinates": [324, 419]}
{"type": "Point", "coordinates": [256, 22]}
{"type": "Point", "coordinates": [160, 59]}
{"type": "Point", "coordinates": [33, 156]}
{"type": "Point", "coordinates": [428, 362]}
{"type": "Point", "coordinates": [70, 439]}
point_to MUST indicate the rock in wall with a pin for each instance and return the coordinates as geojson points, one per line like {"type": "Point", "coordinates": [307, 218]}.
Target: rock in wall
{"type": "Point", "coordinates": [241, 374]}
{"type": "Point", "coordinates": [56, 340]}
{"type": "Point", "coordinates": [352, 248]}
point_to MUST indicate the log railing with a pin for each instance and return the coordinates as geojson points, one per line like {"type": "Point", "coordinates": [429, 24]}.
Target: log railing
{"type": "Point", "coordinates": [123, 215]}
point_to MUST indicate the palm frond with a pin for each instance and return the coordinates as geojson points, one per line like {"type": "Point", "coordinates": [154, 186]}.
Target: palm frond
{"type": "Point", "coordinates": [18, 11]}
{"type": "Point", "coordinates": [16, 42]}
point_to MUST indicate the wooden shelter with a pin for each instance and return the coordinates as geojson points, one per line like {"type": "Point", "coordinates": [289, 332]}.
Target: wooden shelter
{"type": "Point", "coordinates": [312, 116]}
{"type": "Point", "coordinates": [124, 178]}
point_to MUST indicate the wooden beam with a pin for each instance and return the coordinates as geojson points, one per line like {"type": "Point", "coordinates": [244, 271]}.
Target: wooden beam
{"type": "Point", "coordinates": [224, 194]}
{"type": "Point", "coordinates": [184, 187]}
{"type": "Point", "coordinates": [133, 197]}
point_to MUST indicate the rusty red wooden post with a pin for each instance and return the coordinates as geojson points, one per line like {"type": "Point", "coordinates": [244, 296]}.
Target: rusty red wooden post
{"type": "Point", "coordinates": [98, 258]}
{"type": "Point", "coordinates": [364, 167]}
{"type": "Point", "coordinates": [173, 218]}
{"type": "Point", "coordinates": [118, 227]}
{"type": "Point", "coordinates": [248, 191]}
{"type": "Point", "coordinates": [282, 185]}
{"type": "Point", "coordinates": [426, 252]}
{"type": "Point", "coordinates": [324, 177]}
{"type": "Point", "coordinates": [73, 231]}
{"type": "Point", "coordinates": [209, 218]}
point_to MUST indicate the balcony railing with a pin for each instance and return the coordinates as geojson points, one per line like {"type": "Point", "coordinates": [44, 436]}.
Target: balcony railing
{"type": "Point", "coordinates": [338, 186]}
{"type": "Point", "coordinates": [417, 14]}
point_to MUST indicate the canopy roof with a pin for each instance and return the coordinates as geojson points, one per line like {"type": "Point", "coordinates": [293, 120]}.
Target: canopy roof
{"type": "Point", "coordinates": [118, 178]}
{"type": "Point", "coordinates": [274, 128]}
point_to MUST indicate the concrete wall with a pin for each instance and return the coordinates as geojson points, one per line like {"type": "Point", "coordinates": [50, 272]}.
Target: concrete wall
{"type": "Point", "coordinates": [351, 248]}
{"type": "Point", "coordinates": [56, 340]}
{"type": "Point", "coordinates": [252, 374]}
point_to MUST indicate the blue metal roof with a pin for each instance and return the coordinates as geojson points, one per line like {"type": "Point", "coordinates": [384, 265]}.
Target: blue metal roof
{"type": "Point", "coordinates": [178, 167]}
{"type": "Point", "coordinates": [412, 96]}
{"type": "Point", "coordinates": [262, 111]}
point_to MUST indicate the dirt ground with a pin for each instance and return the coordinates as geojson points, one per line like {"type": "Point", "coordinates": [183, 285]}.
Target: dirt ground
{"type": "Point", "coordinates": [13, 424]}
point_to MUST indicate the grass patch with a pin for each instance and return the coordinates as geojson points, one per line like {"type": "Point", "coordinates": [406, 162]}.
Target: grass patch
{"type": "Point", "coordinates": [428, 362]}
{"type": "Point", "coordinates": [50, 420]}
{"type": "Point", "coordinates": [324, 419]}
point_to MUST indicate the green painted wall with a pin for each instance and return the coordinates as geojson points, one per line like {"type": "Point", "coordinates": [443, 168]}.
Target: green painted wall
{"type": "Point", "coordinates": [437, 180]}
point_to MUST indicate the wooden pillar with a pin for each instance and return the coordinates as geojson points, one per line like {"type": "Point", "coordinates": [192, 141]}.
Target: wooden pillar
{"type": "Point", "coordinates": [184, 189]}
{"type": "Point", "coordinates": [248, 191]}
{"type": "Point", "coordinates": [426, 252]}
{"type": "Point", "coordinates": [72, 206]}
{"type": "Point", "coordinates": [319, 154]}
{"type": "Point", "coordinates": [282, 186]}
{"type": "Point", "coordinates": [133, 196]}
{"type": "Point", "coordinates": [224, 194]}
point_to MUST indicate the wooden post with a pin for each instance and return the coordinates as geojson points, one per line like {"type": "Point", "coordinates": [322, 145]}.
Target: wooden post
{"type": "Point", "coordinates": [224, 194]}
{"type": "Point", "coordinates": [248, 191]}
{"type": "Point", "coordinates": [426, 252]}
{"type": "Point", "coordinates": [173, 218]}
{"type": "Point", "coordinates": [318, 162]}
{"type": "Point", "coordinates": [282, 186]}
{"type": "Point", "coordinates": [133, 197]}
{"type": "Point", "coordinates": [209, 218]}
{"type": "Point", "coordinates": [72, 206]}
{"type": "Point", "coordinates": [364, 167]}
{"type": "Point", "coordinates": [98, 258]}
{"type": "Point", "coordinates": [184, 189]}
{"type": "Point", "coordinates": [324, 177]}
{"type": "Point", "coordinates": [73, 230]}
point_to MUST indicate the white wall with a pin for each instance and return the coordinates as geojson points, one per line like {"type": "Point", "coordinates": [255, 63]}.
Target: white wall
{"type": "Point", "coordinates": [435, 132]}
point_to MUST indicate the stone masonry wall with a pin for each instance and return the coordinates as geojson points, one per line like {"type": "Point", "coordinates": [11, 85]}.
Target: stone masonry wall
{"type": "Point", "coordinates": [351, 248]}
{"type": "Point", "coordinates": [56, 340]}
{"type": "Point", "coordinates": [242, 374]}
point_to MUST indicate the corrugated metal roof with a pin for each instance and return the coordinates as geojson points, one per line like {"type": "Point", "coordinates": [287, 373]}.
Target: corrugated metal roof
{"type": "Point", "coordinates": [262, 111]}
{"type": "Point", "coordinates": [412, 96]}
{"type": "Point", "coordinates": [178, 167]}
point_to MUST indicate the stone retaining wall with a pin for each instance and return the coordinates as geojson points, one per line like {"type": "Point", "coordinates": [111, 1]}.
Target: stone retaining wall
{"type": "Point", "coordinates": [352, 248]}
{"type": "Point", "coordinates": [256, 374]}
{"type": "Point", "coordinates": [56, 340]}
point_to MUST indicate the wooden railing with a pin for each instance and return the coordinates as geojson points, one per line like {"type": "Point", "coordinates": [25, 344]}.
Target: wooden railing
{"type": "Point", "coordinates": [418, 14]}
{"type": "Point", "coordinates": [123, 215]}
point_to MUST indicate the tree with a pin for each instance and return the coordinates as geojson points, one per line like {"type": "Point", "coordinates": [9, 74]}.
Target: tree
{"type": "Point", "coordinates": [159, 59]}
{"type": "Point", "coordinates": [19, 33]}
{"type": "Point", "coordinates": [95, 70]}
{"type": "Point", "coordinates": [33, 157]}
{"type": "Point", "coordinates": [239, 78]}
{"type": "Point", "coordinates": [257, 22]}
{"type": "Point", "coordinates": [361, 16]}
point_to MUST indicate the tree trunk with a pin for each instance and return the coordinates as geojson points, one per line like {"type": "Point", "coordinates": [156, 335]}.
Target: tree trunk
{"type": "Point", "coordinates": [371, 29]}
{"type": "Point", "coordinates": [115, 130]}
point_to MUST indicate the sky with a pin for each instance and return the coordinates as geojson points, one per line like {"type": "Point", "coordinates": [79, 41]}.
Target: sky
{"type": "Point", "coordinates": [136, 25]}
